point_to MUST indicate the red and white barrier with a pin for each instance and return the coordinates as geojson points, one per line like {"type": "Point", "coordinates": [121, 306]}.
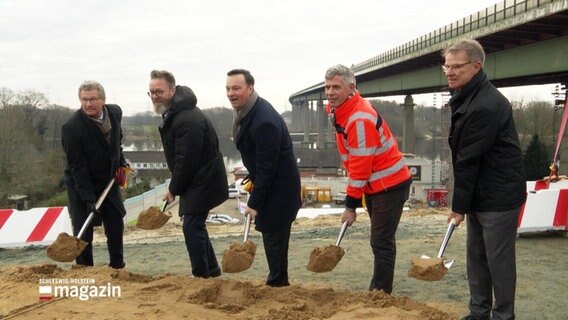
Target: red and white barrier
{"type": "Point", "coordinates": [38, 226]}
{"type": "Point", "coordinates": [546, 207]}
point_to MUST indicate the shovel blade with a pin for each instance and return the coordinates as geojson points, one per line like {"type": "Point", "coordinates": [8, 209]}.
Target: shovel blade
{"type": "Point", "coordinates": [65, 248]}
{"type": "Point", "coordinates": [325, 259]}
{"type": "Point", "coordinates": [447, 263]}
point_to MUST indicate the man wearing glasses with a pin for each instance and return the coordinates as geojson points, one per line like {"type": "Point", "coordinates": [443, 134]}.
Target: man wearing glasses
{"type": "Point", "coordinates": [92, 140]}
{"type": "Point", "coordinates": [489, 186]}
{"type": "Point", "coordinates": [198, 172]}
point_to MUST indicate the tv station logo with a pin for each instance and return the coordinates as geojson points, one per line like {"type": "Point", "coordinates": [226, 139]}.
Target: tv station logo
{"type": "Point", "coordinates": [82, 289]}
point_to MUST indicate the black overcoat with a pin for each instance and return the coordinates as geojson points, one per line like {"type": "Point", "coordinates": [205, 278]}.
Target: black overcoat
{"type": "Point", "coordinates": [91, 161]}
{"type": "Point", "coordinates": [192, 152]}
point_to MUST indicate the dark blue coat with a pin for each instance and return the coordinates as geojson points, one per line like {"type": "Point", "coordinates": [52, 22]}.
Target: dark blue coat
{"type": "Point", "coordinates": [266, 150]}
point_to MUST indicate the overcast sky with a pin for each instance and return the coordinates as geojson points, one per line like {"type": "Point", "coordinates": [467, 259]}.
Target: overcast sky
{"type": "Point", "coordinates": [53, 45]}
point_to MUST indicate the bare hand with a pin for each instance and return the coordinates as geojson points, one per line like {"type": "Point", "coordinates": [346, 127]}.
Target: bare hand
{"type": "Point", "coordinates": [349, 215]}
{"type": "Point", "coordinates": [169, 197]}
{"type": "Point", "coordinates": [253, 213]}
{"type": "Point", "coordinates": [458, 216]}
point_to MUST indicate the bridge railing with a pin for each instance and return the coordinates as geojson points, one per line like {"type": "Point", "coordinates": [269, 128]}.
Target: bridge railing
{"type": "Point", "coordinates": [483, 18]}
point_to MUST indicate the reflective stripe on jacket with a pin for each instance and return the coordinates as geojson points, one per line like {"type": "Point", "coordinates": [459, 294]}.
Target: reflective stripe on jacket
{"type": "Point", "coordinates": [367, 149]}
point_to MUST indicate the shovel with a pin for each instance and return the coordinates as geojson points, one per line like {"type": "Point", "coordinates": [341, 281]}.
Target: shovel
{"type": "Point", "coordinates": [426, 268]}
{"type": "Point", "coordinates": [326, 258]}
{"type": "Point", "coordinates": [153, 218]}
{"type": "Point", "coordinates": [66, 248]}
{"type": "Point", "coordinates": [239, 257]}
{"type": "Point", "coordinates": [451, 227]}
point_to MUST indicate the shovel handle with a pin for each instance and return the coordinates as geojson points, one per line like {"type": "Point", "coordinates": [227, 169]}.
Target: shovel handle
{"type": "Point", "coordinates": [341, 233]}
{"type": "Point", "coordinates": [86, 224]}
{"type": "Point", "coordinates": [97, 206]}
{"type": "Point", "coordinates": [451, 227]}
{"type": "Point", "coordinates": [164, 205]}
{"type": "Point", "coordinates": [247, 227]}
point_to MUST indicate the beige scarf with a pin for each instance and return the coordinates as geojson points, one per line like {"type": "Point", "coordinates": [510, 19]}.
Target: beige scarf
{"type": "Point", "coordinates": [238, 115]}
{"type": "Point", "coordinates": [104, 125]}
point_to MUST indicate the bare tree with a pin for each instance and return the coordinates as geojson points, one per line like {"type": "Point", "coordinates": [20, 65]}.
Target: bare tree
{"type": "Point", "coordinates": [6, 97]}
{"type": "Point", "coordinates": [30, 98]}
{"type": "Point", "coordinates": [16, 137]}
{"type": "Point", "coordinates": [539, 116]}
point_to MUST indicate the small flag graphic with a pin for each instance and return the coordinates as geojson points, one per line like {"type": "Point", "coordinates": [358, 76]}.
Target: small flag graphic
{"type": "Point", "coordinates": [45, 293]}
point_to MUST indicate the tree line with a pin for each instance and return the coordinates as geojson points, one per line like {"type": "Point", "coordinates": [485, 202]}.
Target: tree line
{"type": "Point", "coordinates": [32, 160]}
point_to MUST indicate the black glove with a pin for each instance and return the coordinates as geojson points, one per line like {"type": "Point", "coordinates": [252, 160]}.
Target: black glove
{"type": "Point", "coordinates": [97, 217]}
{"type": "Point", "coordinates": [91, 207]}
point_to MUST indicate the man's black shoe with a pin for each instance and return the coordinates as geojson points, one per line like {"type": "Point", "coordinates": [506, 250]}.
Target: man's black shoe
{"type": "Point", "coordinates": [215, 273]}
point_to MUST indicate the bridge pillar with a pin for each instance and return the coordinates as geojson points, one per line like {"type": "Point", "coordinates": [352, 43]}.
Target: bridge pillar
{"type": "Point", "coordinates": [296, 116]}
{"type": "Point", "coordinates": [322, 124]}
{"type": "Point", "coordinates": [408, 135]}
{"type": "Point", "coordinates": [306, 128]}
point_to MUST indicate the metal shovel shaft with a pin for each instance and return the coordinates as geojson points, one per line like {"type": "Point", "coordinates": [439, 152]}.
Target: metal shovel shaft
{"type": "Point", "coordinates": [164, 205]}
{"type": "Point", "coordinates": [451, 227]}
{"type": "Point", "coordinates": [97, 206]}
{"type": "Point", "coordinates": [247, 227]}
{"type": "Point", "coordinates": [341, 233]}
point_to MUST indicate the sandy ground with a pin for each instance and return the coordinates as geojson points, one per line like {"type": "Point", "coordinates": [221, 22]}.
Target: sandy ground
{"type": "Point", "coordinates": [156, 282]}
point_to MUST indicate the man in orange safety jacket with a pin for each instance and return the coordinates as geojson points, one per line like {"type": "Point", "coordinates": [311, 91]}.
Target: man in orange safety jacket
{"type": "Point", "coordinates": [375, 166]}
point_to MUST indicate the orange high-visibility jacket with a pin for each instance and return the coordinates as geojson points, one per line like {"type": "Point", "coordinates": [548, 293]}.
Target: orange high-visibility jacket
{"type": "Point", "coordinates": [367, 148]}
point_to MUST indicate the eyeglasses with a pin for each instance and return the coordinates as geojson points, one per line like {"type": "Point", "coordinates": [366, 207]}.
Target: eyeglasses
{"type": "Point", "coordinates": [448, 67]}
{"type": "Point", "coordinates": [157, 93]}
{"type": "Point", "coordinates": [91, 100]}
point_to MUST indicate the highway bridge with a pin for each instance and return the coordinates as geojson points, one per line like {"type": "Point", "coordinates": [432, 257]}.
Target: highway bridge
{"type": "Point", "coordinates": [526, 42]}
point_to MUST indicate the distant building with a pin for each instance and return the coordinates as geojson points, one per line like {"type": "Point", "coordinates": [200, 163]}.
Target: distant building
{"type": "Point", "coordinates": [148, 165]}
{"type": "Point", "coordinates": [146, 160]}
{"type": "Point", "coordinates": [19, 202]}
{"type": "Point", "coordinates": [428, 180]}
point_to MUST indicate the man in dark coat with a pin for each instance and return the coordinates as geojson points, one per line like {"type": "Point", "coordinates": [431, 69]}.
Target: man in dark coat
{"type": "Point", "coordinates": [266, 149]}
{"type": "Point", "coordinates": [92, 141]}
{"type": "Point", "coordinates": [490, 186]}
{"type": "Point", "coordinates": [198, 172]}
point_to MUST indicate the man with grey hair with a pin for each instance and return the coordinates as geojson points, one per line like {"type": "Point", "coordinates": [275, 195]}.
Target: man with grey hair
{"type": "Point", "coordinates": [376, 169]}
{"type": "Point", "coordinates": [196, 164]}
{"type": "Point", "coordinates": [92, 141]}
{"type": "Point", "coordinates": [489, 180]}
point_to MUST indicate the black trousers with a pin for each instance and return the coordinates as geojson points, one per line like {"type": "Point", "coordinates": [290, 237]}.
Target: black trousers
{"type": "Point", "coordinates": [201, 255]}
{"type": "Point", "coordinates": [491, 263]}
{"type": "Point", "coordinates": [276, 250]}
{"type": "Point", "coordinates": [385, 210]}
{"type": "Point", "coordinates": [114, 230]}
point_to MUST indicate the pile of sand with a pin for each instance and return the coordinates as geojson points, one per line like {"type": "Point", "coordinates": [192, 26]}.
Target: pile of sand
{"type": "Point", "coordinates": [430, 269]}
{"type": "Point", "coordinates": [239, 257]}
{"type": "Point", "coordinates": [65, 248]}
{"type": "Point", "coordinates": [325, 259]}
{"type": "Point", "coordinates": [177, 297]}
{"type": "Point", "coordinates": [152, 218]}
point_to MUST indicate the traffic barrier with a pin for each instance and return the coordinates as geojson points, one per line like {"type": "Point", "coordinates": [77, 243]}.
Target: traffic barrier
{"type": "Point", "coordinates": [546, 207]}
{"type": "Point", "coordinates": [38, 226]}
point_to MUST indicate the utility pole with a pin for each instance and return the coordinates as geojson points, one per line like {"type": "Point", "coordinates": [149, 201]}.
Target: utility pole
{"type": "Point", "coordinates": [434, 126]}
{"type": "Point", "coordinates": [559, 94]}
